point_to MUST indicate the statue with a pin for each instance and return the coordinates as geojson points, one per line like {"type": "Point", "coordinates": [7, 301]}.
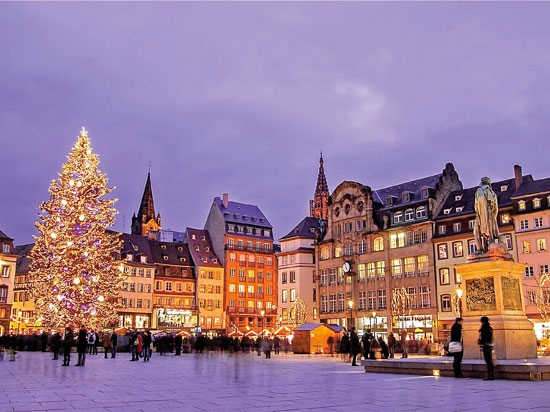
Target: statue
{"type": "Point", "coordinates": [486, 207]}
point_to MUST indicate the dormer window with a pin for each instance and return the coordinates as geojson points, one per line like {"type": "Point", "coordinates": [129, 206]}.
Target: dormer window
{"type": "Point", "coordinates": [406, 197]}
{"type": "Point", "coordinates": [207, 249]}
{"type": "Point", "coordinates": [143, 259]}
{"type": "Point", "coordinates": [505, 219]}
{"type": "Point", "coordinates": [215, 260]}
{"type": "Point", "coordinates": [227, 214]}
{"type": "Point", "coordinates": [193, 236]}
{"type": "Point", "coordinates": [180, 248]}
{"type": "Point", "coordinates": [521, 205]}
{"type": "Point", "coordinates": [203, 237]}
{"type": "Point", "coordinates": [398, 217]}
{"type": "Point", "coordinates": [262, 220]}
{"type": "Point", "coordinates": [254, 219]}
{"type": "Point", "coordinates": [197, 248]}
{"type": "Point", "coordinates": [458, 197]}
{"type": "Point", "coordinates": [446, 211]}
{"type": "Point", "coordinates": [409, 215]}
{"type": "Point", "coordinates": [205, 260]}
{"type": "Point", "coordinates": [424, 192]}
{"type": "Point", "coordinates": [503, 188]}
{"type": "Point", "coordinates": [129, 256]}
{"type": "Point", "coordinates": [165, 257]}
{"type": "Point", "coordinates": [421, 212]}
{"type": "Point", "coordinates": [182, 259]}
{"type": "Point", "coordinates": [459, 208]}
{"type": "Point", "coordinates": [536, 203]}
{"type": "Point", "coordinates": [245, 217]}
{"type": "Point", "coordinates": [135, 248]}
{"type": "Point", "coordinates": [163, 247]}
{"type": "Point", "coordinates": [236, 216]}
{"type": "Point", "coordinates": [389, 201]}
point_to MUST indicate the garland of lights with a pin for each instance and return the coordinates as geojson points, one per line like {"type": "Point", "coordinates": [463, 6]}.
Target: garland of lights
{"type": "Point", "coordinates": [542, 299]}
{"type": "Point", "coordinates": [401, 303]}
{"type": "Point", "coordinates": [297, 313]}
{"type": "Point", "coordinates": [73, 268]}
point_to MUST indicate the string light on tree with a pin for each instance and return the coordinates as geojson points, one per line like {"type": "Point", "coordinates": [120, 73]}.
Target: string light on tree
{"type": "Point", "coordinates": [76, 278]}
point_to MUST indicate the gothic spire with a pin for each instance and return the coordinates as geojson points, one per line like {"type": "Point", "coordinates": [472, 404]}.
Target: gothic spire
{"type": "Point", "coordinates": [322, 186]}
{"type": "Point", "coordinates": [318, 206]}
{"type": "Point", "coordinates": [146, 218]}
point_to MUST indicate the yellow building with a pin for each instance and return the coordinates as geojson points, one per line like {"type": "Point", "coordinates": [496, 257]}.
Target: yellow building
{"type": "Point", "coordinates": [22, 311]}
{"type": "Point", "coordinates": [210, 284]}
{"type": "Point", "coordinates": [8, 259]}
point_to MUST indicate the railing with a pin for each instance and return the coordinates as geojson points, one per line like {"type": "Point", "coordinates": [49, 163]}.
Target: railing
{"type": "Point", "coordinates": [260, 280]}
{"type": "Point", "coordinates": [424, 273]}
{"type": "Point", "coordinates": [259, 295]}
{"type": "Point", "coordinates": [251, 264]}
{"type": "Point", "coordinates": [251, 280]}
{"type": "Point", "coordinates": [242, 294]}
{"type": "Point", "coordinates": [250, 249]}
{"type": "Point", "coordinates": [409, 274]}
{"type": "Point", "coordinates": [260, 265]}
{"type": "Point", "coordinates": [250, 294]}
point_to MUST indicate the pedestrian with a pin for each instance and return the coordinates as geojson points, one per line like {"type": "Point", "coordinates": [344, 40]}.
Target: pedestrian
{"type": "Point", "coordinates": [345, 346]}
{"type": "Point", "coordinates": [133, 344]}
{"type": "Point", "coordinates": [68, 339]}
{"type": "Point", "coordinates": [55, 345]}
{"type": "Point", "coordinates": [44, 340]}
{"type": "Point", "coordinates": [91, 341]}
{"type": "Point", "coordinates": [178, 341]}
{"type": "Point", "coordinates": [403, 341]}
{"type": "Point", "coordinates": [96, 343]}
{"type": "Point", "coordinates": [391, 345]}
{"type": "Point", "coordinates": [456, 349]}
{"type": "Point", "coordinates": [114, 342]}
{"type": "Point", "coordinates": [277, 345]}
{"type": "Point", "coordinates": [384, 350]}
{"type": "Point", "coordinates": [81, 345]}
{"type": "Point", "coordinates": [375, 350]}
{"type": "Point", "coordinates": [139, 346]}
{"type": "Point", "coordinates": [147, 343]}
{"type": "Point", "coordinates": [486, 341]}
{"type": "Point", "coordinates": [355, 347]}
{"type": "Point", "coordinates": [366, 340]}
{"type": "Point", "coordinates": [12, 346]}
{"type": "Point", "coordinates": [106, 343]}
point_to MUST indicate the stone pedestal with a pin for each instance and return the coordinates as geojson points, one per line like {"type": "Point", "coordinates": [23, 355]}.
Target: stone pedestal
{"type": "Point", "coordinates": [492, 287]}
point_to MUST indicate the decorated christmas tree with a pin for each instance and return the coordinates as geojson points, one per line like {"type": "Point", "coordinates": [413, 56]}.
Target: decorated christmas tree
{"type": "Point", "coordinates": [74, 269]}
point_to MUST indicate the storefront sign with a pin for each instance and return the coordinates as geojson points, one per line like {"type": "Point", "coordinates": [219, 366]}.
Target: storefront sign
{"type": "Point", "coordinates": [180, 318]}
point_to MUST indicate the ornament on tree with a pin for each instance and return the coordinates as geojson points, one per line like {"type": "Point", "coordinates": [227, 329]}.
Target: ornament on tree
{"type": "Point", "coordinates": [80, 287]}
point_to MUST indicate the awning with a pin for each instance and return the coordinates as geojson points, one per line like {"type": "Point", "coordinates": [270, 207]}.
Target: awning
{"type": "Point", "coordinates": [121, 331]}
{"type": "Point", "coordinates": [251, 333]}
{"type": "Point", "coordinates": [235, 333]}
{"type": "Point", "coordinates": [283, 331]}
{"type": "Point", "coordinates": [183, 332]}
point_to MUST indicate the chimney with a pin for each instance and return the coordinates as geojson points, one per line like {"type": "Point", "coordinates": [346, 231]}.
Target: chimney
{"type": "Point", "coordinates": [225, 200]}
{"type": "Point", "coordinates": [518, 176]}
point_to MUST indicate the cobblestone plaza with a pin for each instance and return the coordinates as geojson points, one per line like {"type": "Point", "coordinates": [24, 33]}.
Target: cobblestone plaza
{"type": "Point", "coordinates": [245, 382]}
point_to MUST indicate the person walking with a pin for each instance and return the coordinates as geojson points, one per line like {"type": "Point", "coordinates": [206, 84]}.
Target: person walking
{"type": "Point", "coordinates": [366, 340]}
{"type": "Point", "coordinates": [114, 342]}
{"type": "Point", "coordinates": [68, 340]}
{"type": "Point", "coordinates": [91, 341]}
{"type": "Point", "coordinates": [133, 344]}
{"type": "Point", "coordinates": [355, 347]}
{"type": "Point", "coordinates": [486, 341]}
{"type": "Point", "coordinates": [403, 340]}
{"type": "Point", "coordinates": [277, 344]}
{"type": "Point", "coordinates": [147, 343]}
{"type": "Point", "coordinates": [96, 343]}
{"type": "Point", "coordinates": [456, 349]}
{"type": "Point", "coordinates": [55, 345]}
{"type": "Point", "coordinates": [81, 345]}
{"type": "Point", "coordinates": [106, 343]}
{"type": "Point", "coordinates": [344, 346]}
{"type": "Point", "coordinates": [391, 345]}
{"type": "Point", "coordinates": [178, 341]}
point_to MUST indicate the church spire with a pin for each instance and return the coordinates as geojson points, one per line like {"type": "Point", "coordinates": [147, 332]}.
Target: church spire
{"type": "Point", "coordinates": [146, 219]}
{"type": "Point", "coordinates": [318, 206]}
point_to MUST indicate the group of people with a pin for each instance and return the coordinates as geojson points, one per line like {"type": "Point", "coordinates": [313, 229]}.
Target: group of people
{"type": "Point", "coordinates": [485, 340]}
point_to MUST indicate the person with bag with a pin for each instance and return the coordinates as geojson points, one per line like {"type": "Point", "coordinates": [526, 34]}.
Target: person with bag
{"type": "Point", "coordinates": [486, 341]}
{"type": "Point", "coordinates": [455, 348]}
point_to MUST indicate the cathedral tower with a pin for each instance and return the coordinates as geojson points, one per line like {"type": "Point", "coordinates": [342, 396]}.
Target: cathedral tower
{"type": "Point", "coordinates": [146, 220]}
{"type": "Point", "coordinates": [318, 206]}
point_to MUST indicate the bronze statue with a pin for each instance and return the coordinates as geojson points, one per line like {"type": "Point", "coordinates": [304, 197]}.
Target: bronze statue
{"type": "Point", "coordinates": [486, 207]}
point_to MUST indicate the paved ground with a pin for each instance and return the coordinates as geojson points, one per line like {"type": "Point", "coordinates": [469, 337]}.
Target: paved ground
{"type": "Point", "coordinates": [225, 382]}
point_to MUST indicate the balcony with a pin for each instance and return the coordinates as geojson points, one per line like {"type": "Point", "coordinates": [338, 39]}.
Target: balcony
{"type": "Point", "coordinates": [260, 265]}
{"type": "Point", "coordinates": [251, 294]}
{"type": "Point", "coordinates": [251, 264]}
{"type": "Point", "coordinates": [242, 262]}
{"type": "Point", "coordinates": [251, 280]}
{"type": "Point", "coordinates": [259, 295]}
{"type": "Point", "coordinates": [242, 294]}
{"type": "Point", "coordinates": [250, 249]}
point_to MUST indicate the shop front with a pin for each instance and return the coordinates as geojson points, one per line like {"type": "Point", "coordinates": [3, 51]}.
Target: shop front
{"type": "Point", "coordinates": [418, 327]}
{"type": "Point", "coordinates": [175, 319]}
{"type": "Point", "coordinates": [134, 320]}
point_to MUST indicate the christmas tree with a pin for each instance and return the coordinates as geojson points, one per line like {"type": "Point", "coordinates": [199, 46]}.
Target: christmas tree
{"type": "Point", "coordinates": [76, 277]}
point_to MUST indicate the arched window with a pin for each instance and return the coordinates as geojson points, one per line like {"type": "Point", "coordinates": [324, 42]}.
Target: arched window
{"type": "Point", "coordinates": [398, 217]}
{"type": "Point", "coordinates": [360, 206]}
{"type": "Point", "coordinates": [325, 254]}
{"type": "Point", "coordinates": [362, 247]}
{"type": "Point", "coordinates": [337, 250]}
{"type": "Point", "coordinates": [337, 211]}
{"type": "Point", "coordinates": [409, 215]}
{"type": "Point", "coordinates": [347, 208]}
{"type": "Point", "coordinates": [378, 244]}
{"type": "Point", "coordinates": [421, 212]}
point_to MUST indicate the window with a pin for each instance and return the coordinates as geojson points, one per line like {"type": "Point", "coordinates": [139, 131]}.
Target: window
{"type": "Point", "coordinates": [421, 212]}
{"type": "Point", "coordinates": [348, 249]}
{"type": "Point", "coordinates": [457, 227]}
{"type": "Point", "coordinates": [521, 205]}
{"type": "Point", "coordinates": [5, 248]}
{"type": "Point", "coordinates": [536, 203]}
{"type": "Point", "coordinates": [543, 270]}
{"type": "Point", "coordinates": [5, 271]}
{"type": "Point", "coordinates": [381, 269]}
{"type": "Point", "coordinates": [371, 270]}
{"type": "Point", "coordinates": [397, 268]}
{"type": "Point", "coordinates": [541, 244]}
{"type": "Point", "coordinates": [361, 271]}
{"type": "Point", "coordinates": [292, 277]}
{"type": "Point", "coordinates": [471, 224]}
{"type": "Point", "coordinates": [337, 251]}
{"type": "Point", "coordinates": [398, 217]}
{"type": "Point", "coordinates": [284, 277]}
{"type": "Point", "coordinates": [526, 246]}
{"type": "Point", "coordinates": [458, 277]}
{"type": "Point", "coordinates": [378, 244]}
{"type": "Point", "coordinates": [442, 251]}
{"type": "Point", "coordinates": [337, 211]}
{"type": "Point", "coordinates": [341, 302]}
{"type": "Point", "coordinates": [389, 201]}
{"type": "Point", "coordinates": [362, 247]}
{"type": "Point", "coordinates": [538, 222]}
{"type": "Point", "coordinates": [268, 275]}
{"type": "Point", "coordinates": [360, 206]}
{"type": "Point", "coordinates": [423, 268]}
{"type": "Point", "coordinates": [425, 297]}
{"type": "Point", "coordinates": [323, 304]}
{"type": "Point", "coordinates": [409, 266]}
{"type": "Point", "coordinates": [397, 240]}
{"type": "Point", "coordinates": [445, 303]}
{"type": "Point", "coordinates": [472, 247]}
{"type": "Point", "coordinates": [444, 276]}
{"type": "Point", "coordinates": [362, 300]}
{"type": "Point", "coordinates": [457, 249]}
{"type": "Point", "coordinates": [382, 299]}
{"type": "Point", "coordinates": [409, 215]}
{"type": "Point", "coordinates": [132, 287]}
{"type": "Point", "coordinates": [232, 288]}
{"type": "Point", "coordinates": [325, 254]}
{"type": "Point", "coordinates": [442, 230]}
{"type": "Point", "coordinates": [232, 273]}
{"type": "Point", "coordinates": [323, 278]}
{"type": "Point", "coordinates": [332, 302]}
{"type": "Point", "coordinates": [284, 295]}
{"type": "Point", "coordinates": [372, 299]}
{"type": "Point", "coordinates": [531, 297]}
{"type": "Point", "coordinates": [509, 243]}
{"type": "Point", "coordinates": [406, 197]}
{"type": "Point", "coordinates": [157, 285]}
{"type": "Point", "coordinates": [524, 224]}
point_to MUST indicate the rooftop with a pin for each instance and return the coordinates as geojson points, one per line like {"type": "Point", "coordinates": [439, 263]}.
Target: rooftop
{"type": "Point", "coordinates": [305, 229]}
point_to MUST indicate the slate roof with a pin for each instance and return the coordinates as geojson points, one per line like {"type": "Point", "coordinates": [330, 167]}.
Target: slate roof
{"type": "Point", "coordinates": [167, 235]}
{"type": "Point", "coordinates": [533, 187]}
{"type": "Point", "coordinates": [243, 213]}
{"type": "Point", "coordinates": [177, 253]}
{"type": "Point", "coordinates": [335, 328]}
{"type": "Point", "coordinates": [138, 246]}
{"type": "Point", "coordinates": [23, 261]}
{"type": "Point", "coordinates": [4, 236]}
{"type": "Point", "coordinates": [306, 228]}
{"type": "Point", "coordinates": [396, 191]}
{"type": "Point", "coordinates": [467, 198]}
{"type": "Point", "coordinates": [202, 241]}
{"type": "Point", "coordinates": [310, 326]}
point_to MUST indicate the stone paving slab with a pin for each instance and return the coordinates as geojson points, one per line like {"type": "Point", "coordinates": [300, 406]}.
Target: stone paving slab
{"type": "Point", "coordinates": [245, 382]}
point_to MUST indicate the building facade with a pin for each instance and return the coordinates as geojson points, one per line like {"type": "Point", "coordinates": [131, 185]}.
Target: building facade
{"type": "Point", "coordinates": [375, 264]}
{"type": "Point", "coordinates": [453, 241]}
{"type": "Point", "coordinates": [136, 294]}
{"type": "Point", "coordinates": [209, 275]}
{"type": "Point", "coordinates": [242, 238]}
{"type": "Point", "coordinates": [8, 263]}
{"type": "Point", "coordinates": [531, 216]}
{"type": "Point", "coordinates": [296, 273]}
{"type": "Point", "coordinates": [23, 315]}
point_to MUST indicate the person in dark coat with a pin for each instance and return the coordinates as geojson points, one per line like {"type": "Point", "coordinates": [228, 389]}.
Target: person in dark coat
{"type": "Point", "coordinates": [486, 341]}
{"type": "Point", "coordinates": [44, 339]}
{"type": "Point", "coordinates": [55, 345]}
{"type": "Point", "coordinates": [391, 345]}
{"type": "Point", "coordinates": [403, 341]}
{"type": "Point", "coordinates": [456, 336]}
{"type": "Point", "coordinates": [345, 345]}
{"type": "Point", "coordinates": [68, 341]}
{"type": "Point", "coordinates": [114, 341]}
{"type": "Point", "coordinates": [383, 348]}
{"type": "Point", "coordinates": [355, 347]}
{"type": "Point", "coordinates": [179, 341]}
{"type": "Point", "coordinates": [367, 341]}
{"type": "Point", "coordinates": [81, 346]}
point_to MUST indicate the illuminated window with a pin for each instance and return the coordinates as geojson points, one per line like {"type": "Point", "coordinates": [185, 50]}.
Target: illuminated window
{"type": "Point", "coordinates": [371, 270]}
{"type": "Point", "coordinates": [444, 276]}
{"type": "Point", "coordinates": [378, 244]}
{"type": "Point", "coordinates": [409, 266]}
{"type": "Point", "coordinates": [337, 251]}
{"type": "Point", "coordinates": [541, 245]}
{"type": "Point", "coordinates": [232, 288]}
{"type": "Point", "coordinates": [445, 303]}
{"type": "Point", "coordinates": [381, 269]}
{"type": "Point", "coordinates": [442, 251]}
{"type": "Point", "coordinates": [284, 295]}
{"type": "Point", "coordinates": [458, 277]}
{"type": "Point", "coordinates": [457, 249]}
{"type": "Point", "coordinates": [292, 295]}
{"type": "Point", "coordinates": [521, 205]}
{"type": "Point", "coordinates": [423, 267]}
{"type": "Point", "coordinates": [361, 271]}
{"type": "Point", "coordinates": [505, 219]}
{"type": "Point", "coordinates": [526, 246]}
{"type": "Point", "coordinates": [325, 254]}
{"type": "Point", "coordinates": [536, 203]}
{"type": "Point", "coordinates": [397, 268]}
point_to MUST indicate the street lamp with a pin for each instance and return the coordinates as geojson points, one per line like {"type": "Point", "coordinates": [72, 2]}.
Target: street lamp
{"type": "Point", "coordinates": [374, 327]}
{"type": "Point", "coordinates": [350, 304]}
{"type": "Point", "coordinates": [20, 313]}
{"type": "Point", "coordinates": [262, 312]}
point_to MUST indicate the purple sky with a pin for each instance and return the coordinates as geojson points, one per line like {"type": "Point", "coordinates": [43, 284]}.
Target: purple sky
{"type": "Point", "coordinates": [240, 98]}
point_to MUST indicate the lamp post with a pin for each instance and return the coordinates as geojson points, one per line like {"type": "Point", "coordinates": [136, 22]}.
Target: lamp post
{"type": "Point", "coordinates": [374, 327]}
{"type": "Point", "coordinates": [262, 312]}
{"type": "Point", "coordinates": [20, 313]}
{"type": "Point", "coordinates": [350, 304]}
